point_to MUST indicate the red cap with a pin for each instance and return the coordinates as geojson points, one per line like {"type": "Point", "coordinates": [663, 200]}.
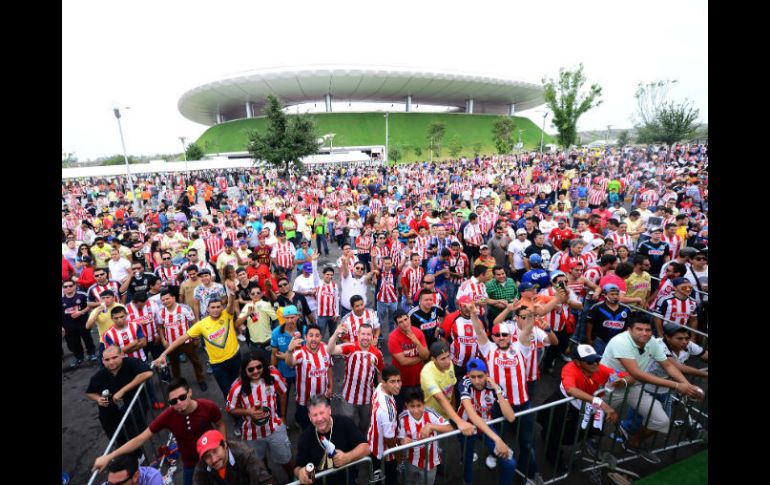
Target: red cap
{"type": "Point", "coordinates": [210, 440]}
{"type": "Point", "coordinates": [464, 300]}
{"type": "Point", "coordinates": [496, 328]}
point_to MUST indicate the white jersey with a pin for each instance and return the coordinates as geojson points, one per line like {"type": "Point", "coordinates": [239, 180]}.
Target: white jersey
{"type": "Point", "coordinates": [384, 422]}
{"type": "Point", "coordinates": [517, 248]}
{"type": "Point", "coordinates": [507, 369]}
{"type": "Point", "coordinates": [352, 323]}
{"type": "Point", "coordinates": [312, 372]}
{"type": "Point", "coordinates": [409, 427]}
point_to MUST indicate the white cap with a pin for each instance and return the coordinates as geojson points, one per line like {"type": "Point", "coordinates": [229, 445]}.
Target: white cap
{"type": "Point", "coordinates": [587, 353]}
{"type": "Point", "coordinates": [521, 231]}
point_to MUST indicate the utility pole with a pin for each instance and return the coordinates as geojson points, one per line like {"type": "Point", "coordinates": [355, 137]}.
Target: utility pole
{"type": "Point", "coordinates": [116, 111]}
{"type": "Point", "coordinates": [542, 133]}
{"type": "Point", "coordinates": [184, 151]}
{"type": "Point", "coordinates": [385, 159]}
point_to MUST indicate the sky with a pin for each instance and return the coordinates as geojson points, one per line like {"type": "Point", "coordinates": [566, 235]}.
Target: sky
{"type": "Point", "coordinates": [145, 54]}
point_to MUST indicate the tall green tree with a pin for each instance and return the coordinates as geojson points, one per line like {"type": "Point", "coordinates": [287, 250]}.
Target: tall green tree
{"type": "Point", "coordinates": [395, 153]}
{"type": "Point", "coordinates": [455, 146]}
{"type": "Point", "coordinates": [284, 140]}
{"type": "Point", "coordinates": [436, 132]}
{"type": "Point", "coordinates": [623, 138]}
{"type": "Point", "coordinates": [417, 151]}
{"type": "Point", "coordinates": [661, 120]}
{"type": "Point", "coordinates": [193, 152]}
{"type": "Point", "coordinates": [502, 132]}
{"type": "Point", "coordinates": [568, 102]}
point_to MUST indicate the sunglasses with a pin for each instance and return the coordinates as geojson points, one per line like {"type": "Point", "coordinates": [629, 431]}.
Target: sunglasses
{"type": "Point", "coordinates": [100, 275]}
{"type": "Point", "coordinates": [700, 258]}
{"type": "Point", "coordinates": [68, 286]}
{"type": "Point", "coordinates": [166, 259]}
{"type": "Point", "coordinates": [281, 285]}
{"type": "Point", "coordinates": [175, 400]}
{"type": "Point", "coordinates": [501, 335]}
{"type": "Point", "coordinates": [255, 368]}
{"type": "Point", "coordinates": [429, 282]}
{"type": "Point", "coordinates": [360, 267]}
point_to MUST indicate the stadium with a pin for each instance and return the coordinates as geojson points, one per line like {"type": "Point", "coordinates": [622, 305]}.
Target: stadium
{"type": "Point", "coordinates": [467, 104]}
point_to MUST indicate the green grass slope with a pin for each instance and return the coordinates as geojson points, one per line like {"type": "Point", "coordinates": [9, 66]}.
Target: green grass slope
{"type": "Point", "coordinates": [406, 130]}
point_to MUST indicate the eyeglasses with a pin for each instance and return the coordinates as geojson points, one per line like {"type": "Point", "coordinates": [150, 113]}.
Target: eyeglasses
{"type": "Point", "coordinates": [360, 267]}
{"type": "Point", "coordinates": [100, 275]}
{"type": "Point", "coordinates": [281, 285]}
{"type": "Point", "coordinates": [166, 259]}
{"type": "Point", "coordinates": [255, 368]}
{"type": "Point", "coordinates": [68, 286]}
{"type": "Point", "coordinates": [501, 335]}
{"type": "Point", "coordinates": [174, 400]}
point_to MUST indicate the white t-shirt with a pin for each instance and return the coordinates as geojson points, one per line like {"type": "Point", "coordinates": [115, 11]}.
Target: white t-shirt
{"type": "Point", "coordinates": [546, 227]}
{"type": "Point", "coordinates": [119, 269]}
{"type": "Point", "coordinates": [517, 248]}
{"type": "Point", "coordinates": [301, 285]}
{"type": "Point", "coordinates": [350, 287]}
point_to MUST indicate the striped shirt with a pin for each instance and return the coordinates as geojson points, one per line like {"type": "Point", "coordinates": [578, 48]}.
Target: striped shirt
{"type": "Point", "coordinates": [674, 244]}
{"type": "Point", "coordinates": [676, 310]}
{"type": "Point", "coordinates": [409, 427]}
{"type": "Point", "coordinates": [465, 343]}
{"type": "Point", "coordinates": [384, 422]}
{"type": "Point", "coordinates": [624, 240]}
{"type": "Point", "coordinates": [507, 369]}
{"type": "Point", "coordinates": [214, 245]}
{"type": "Point", "coordinates": [124, 337]}
{"type": "Point", "coordinates": [386, 288]}
{"type": "Point", "coordinates": [312, 372]}
{"type": "Point", "coordinates": [284, 255]}
{"type": "Point", "coordinates": [459, 261]}
{"type": "Point", "coordinates": [144, 317]}
{"type": "Point", "coordinates": [328, 297]}
{"type": "Point", "coordinates": [168, 275]}
{"type": "Point", "coordinates": [410, 279]}
{"type": "Point", "coordinates": [483, 400]}
{"type": "Point", "coordinates": [473, 235]}
{"type": "Point", "coordinates": [475, 289]}
{"type": "Point", "coordinates": [540, 340]}
{"type": "Point", "coordinates": [261, 396]}
{"type": "Point", "coordinates": [379, 252]}
{"type": "Point", "coordinates": [352, 323]}
{"type": "Point", "coordinates": [360, 368]}
{"type": "Point", "coordinates": [175, 321]}
{"type": "Point", "coordinates": [95, 291]}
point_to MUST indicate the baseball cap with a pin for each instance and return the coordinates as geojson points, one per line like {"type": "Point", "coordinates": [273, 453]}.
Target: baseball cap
{"type": "Point", "coordinates": [535, 259]}
{"type": "Point", "coordinates": [656, 229]}
{"type": "Point", "coordinates": [499, 328]}
{"type": "Point", "coordinates": [527, 285]}
{"type": "Point", "coordinates": [228, 242]}
{"type": "Point", "coordinates": [476, 364]}
{"type": "Point", "coordinates": [203, 272]}
{"type": "Point", "coordinates": [678, 281]}
{"type": "Point", "coordinates": [586, 353]}
{"type": "Point", "coordinates": [688, 251]}
{"type": "Point", "coordinates": [210, 440]}
{"type": "Point", "coordinates": [87, 259]}
{"type": "Point", "coordinates": [290, 310]}
{"type": "Point", "coordinates": [610, 287]}
{"type": "Point", "coordinates": [555, 274]}
{"type": "Point", "coordinates": [437, 348]}
{"type": "Point", "coordinates": [242, 241]}
{"type": "Point", "coordinates": [483, 246]}
{"type": "Point", "coordinates": [465, 300]}
{"type": "Point", "coordinates": [307, 267]}
{"type": "Point", "coordinates": [521, 231]}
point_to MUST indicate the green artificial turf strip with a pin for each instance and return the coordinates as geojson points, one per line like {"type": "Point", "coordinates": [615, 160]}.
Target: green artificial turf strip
{"type": "Point", "coordinates": [691, 471]}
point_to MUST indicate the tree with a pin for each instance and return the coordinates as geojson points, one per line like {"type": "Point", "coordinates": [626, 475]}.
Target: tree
{"type": "Point", "coordinates": [395, 153]}
{"type": "Point", "coordinates": [193, 152]}
{"type": "Point", "coordinates": [417, 151]}
{"type": "Point", "coordinates": [476, 149]}
{"type": "Point", "coordinates": [455, 147]}
{"type": "Point", "coordinates": [68, 158]}
{"type": "Point", "coordinates": [567, 103]}
{"type": "Point", "coordinates": [660, 120]}
{"type": "Point", "coordinates": [436, 131]}
{"type": "Point", "coordinates": [285, 140]}
{"type": "Point", "coordinates": [120, 160]}
{"type": "Point", "coordinates": [502, 132]}
{"type": "Point", "coordinates": [623, 139]}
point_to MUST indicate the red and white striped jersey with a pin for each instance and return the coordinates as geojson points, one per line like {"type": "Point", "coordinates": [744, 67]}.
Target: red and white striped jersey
{"type": "Point", "coordinates": [557, 318]}
{"type": "Point", "coordinates": [214, 245]}
{"type": "Point", "coordinates": [123, 337]}
{"type": "Point", "coordinates": [284, 254]}
{"type": "Point", "coordinates": [175, 321]}
{"type": "Point", "coordinates": [649, 196]}
{"type": "Point", "coordinates": [364, 243]}
{"type": "Point", "coordinates": [540, 340]}
{"type": "Point", "coordinates": [421, 245]}
{"type": "Point", "coordinates": [410, 279]}
{"type": "Point", "coordinates": [460, 262]}
{"type": "Point", "coordinates": [483, 400]}
{"type": "Point", "coordinates": [312, 372]}
{"type": "Point", "coordinates": [360, 368]}
{"type": "Point", "coordinates": [231, 234]}
{"type": "Point", "coordinates": [386, 285]}
{"type": "Point", "coordinates": [465, 343]}
{"type": "Point", "coordinates": [409, 427]}
{"type": "Point", "coordinates": [593, 274]}
{"type": "Point", "coordinates": [624, 240]}
{"type": "Point", "coordinates": [665, 290]}
{"type": "Point", "coordinates": [472, 235]}
{"type": "Point", "coordinates": [563, 260]}
{"type": "Point", "coordinates": [396, 252]}
{"type": "Point", "coordinates": [384, 422]}
{"type": "Point", "coordinates": [375, 205]}
{"type": "Point", "coordinates": [261, 396]}
{"type": "Point", "coordinates": [674, 244]}
{"type": "Point", "coordinates": [352, 260]}
{"type": "Point", "coordinates": [596, 196]}
{"type": "Point", "coordinates": [167, 275]}
{"type": "Point", "coordinates": [507, 369]}
{"type": "Point", "coordinates": [144, 317]}
{"type": "Point", "coordinates": [379, 252]}
{"type": "Point", "coordinates": [589, 258]}
{"type": "Point", "coordinates": [473, 288]}
{"type": "Point", "coordinates": [353, 322]}
{"type": "Point", "coordinates": [328, 297]}
{"type": "Point", "coordinates": [95, 291]}
{"type": "Point", "coordinates": [676, 310]}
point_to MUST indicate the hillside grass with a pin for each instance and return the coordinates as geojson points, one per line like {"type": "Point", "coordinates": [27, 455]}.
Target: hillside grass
{"type": "Point", "coordinates": [406, 130]}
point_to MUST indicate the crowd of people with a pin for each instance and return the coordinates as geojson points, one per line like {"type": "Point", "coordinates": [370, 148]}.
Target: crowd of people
{"type": "Point", "coordinates": [474, 276]}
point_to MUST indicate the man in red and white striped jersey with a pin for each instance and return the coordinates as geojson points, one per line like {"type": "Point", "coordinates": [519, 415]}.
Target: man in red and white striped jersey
{"type": "Point", "coordinates": [174, 320]}
{"type": "Point", "coordinates": [507, 367]}
{"type": "Point", "coordinates": [358, 316]}
{"type": "Point", "coordinates": [411, 277]}
{"type": "Point", "coordinates": [143, 313]}
{"type": "Point", "coordinates": [476, 287]}
{"type": "Point", "coordinates": [384, 422]}
{"type": "Point", "coordinates": [473, 237]}
{"type": "Point", "coordinates": [257, 401]}
{"type": "Point", "coordinates": [168, 272]}
{"type": "Point", "coordinates": [621, 236]}
{"type": "Point", "coordinates": [514, 319]}
{"type": "Point", "coordinates": [379, 251]}
{"type": "Point", "coordinates": [673, 239]}
{"type": "Point", "coordinates": [314, 370]}
{"type": "Point", "coordinates": [386, 295]}
{"type": "Point", "coordinates": [415, 423]}
{"type": "Point", "coordinates": [680, 307]}
{"type": "Point", "coordinates": [596, 196]}
{"type": "Point", "coordinates": [363, 362]}
{"type": "Point", "coordinates": [102, 284]}
{"type": "Point", "coordinates": [128, 336]}
{"type": "Point", "coordinates": [282, 255]}
{"type": "Point", "coordinates": [328, 297]}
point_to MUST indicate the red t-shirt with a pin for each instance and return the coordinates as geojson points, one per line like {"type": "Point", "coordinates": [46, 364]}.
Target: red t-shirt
{"type": "Point", "coordinates": [187, 429]}
{"type": "Point", "coordinates": [572, 376]}
{"type": "Point", "coordinates": [397, 343]}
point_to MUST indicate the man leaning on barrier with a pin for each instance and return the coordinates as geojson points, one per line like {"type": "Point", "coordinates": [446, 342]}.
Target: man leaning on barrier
{"type": "Point", "coordinates": [631, 351]}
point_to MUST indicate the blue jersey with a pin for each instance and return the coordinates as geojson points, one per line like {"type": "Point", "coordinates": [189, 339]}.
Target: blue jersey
{"type": "Point", "coordinates": [280, 340]}
{"type": "Point", "coordinates": [435, 265]}
{"type": "Point", "coordinates": [538, 276]}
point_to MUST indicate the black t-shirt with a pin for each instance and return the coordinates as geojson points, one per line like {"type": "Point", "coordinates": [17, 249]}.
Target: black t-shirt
{"type": "Point", "coordinates": [70, 304]}
{"type": "Point", "coordinates": [426, 321]}
{"type": "Point", "coordinates": [104, 379]}
{"type": "Point", "coordinates": [606, 323]}
{"type": "Point", "coordinates": [656, 252]}
{"type": "Point", "coordinates": [546, 252]}
{"type": "Point", "coordinates": [300, 302]}
{"type": "Point", "coordinates": [141, 284]}
{"type": "Point", "coordinates": [344, 434]}
{"type": "Point", "coordinates": [245, 293]}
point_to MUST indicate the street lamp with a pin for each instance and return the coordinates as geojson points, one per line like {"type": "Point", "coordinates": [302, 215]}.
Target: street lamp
{"type": "Point", "coordinates": [385, 158]}
{"type": "Point", "coordinates": [330, 137]}
{"type": "Point", "coordinates": [542, 133]}
{"type": "Point", "coordinates": [116, 111]}
{"type": "Point", "coordinates": [607, 140]}
{"type": "Point", "coordinates": [184, 153]}
{"type": "Point", "coordinates": [520, 145]}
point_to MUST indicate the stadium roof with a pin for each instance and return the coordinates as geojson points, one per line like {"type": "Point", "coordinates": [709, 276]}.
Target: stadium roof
{"type": "Point", "coordinates": [242, 95]}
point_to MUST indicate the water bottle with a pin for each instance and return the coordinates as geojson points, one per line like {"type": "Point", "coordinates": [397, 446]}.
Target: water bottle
{"type": "Point", "coordinates": [106, 394]}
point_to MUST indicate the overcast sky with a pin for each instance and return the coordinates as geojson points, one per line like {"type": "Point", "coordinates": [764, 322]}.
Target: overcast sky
{"type": "Point", "coordinates": [146, 54]}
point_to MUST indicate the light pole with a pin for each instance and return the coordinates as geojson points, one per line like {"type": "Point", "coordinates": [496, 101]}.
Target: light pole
{"type": "Point", "coordinates": [607, 140]}
{"type": "Point", "coordinates": [330, 137]}
{"type": "Point", "coordinates": [520, 145]}
{"type": "Point", "coordinates": [116, 111]}
{"type": "Point", "coordinates": [385, 158]}
{"type": "Point", "coordinates": [184, 153]}
{"type": "Point", "coordinates": [542, 133]}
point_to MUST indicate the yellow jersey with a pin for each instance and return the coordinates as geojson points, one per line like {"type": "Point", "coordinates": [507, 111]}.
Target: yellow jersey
{"type": "Point", "coordinates": [104, 320]}
{"type": "Point", "coordinates": [219, 335]}
{"type": "Point", "coordinates": [433, 381]}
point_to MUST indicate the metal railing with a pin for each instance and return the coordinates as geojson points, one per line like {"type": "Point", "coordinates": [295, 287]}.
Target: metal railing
{"type": "Point", "coordinates": [658, 315]}
{"type": "Point", "coordinates": [139, 414]}
{"type": "Point", "coordinates": [325, 473]}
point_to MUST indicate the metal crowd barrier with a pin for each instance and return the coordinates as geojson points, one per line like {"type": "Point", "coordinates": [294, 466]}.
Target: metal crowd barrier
{"type": "Point", "coordinates": [323, 474]}
{"type": "Point", "coordinates": [140, 412]}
